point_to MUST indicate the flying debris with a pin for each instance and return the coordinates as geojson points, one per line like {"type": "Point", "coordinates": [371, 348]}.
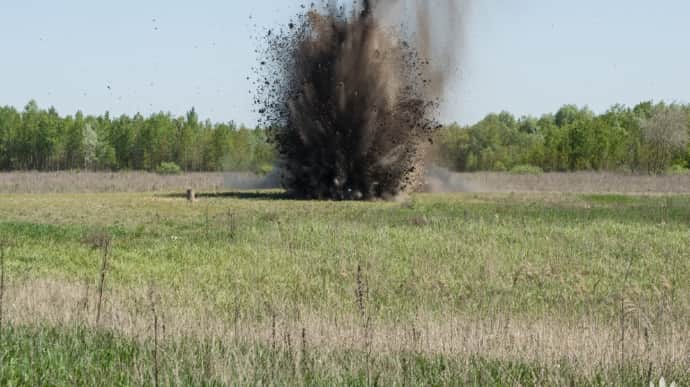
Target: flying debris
{"type": "Point", "coordinates": [351, 102]}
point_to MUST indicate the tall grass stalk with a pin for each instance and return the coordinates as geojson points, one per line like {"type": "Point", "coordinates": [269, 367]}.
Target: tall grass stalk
{"type": "Point", "coordinates": [360, 291]}
{"type": "Point", "coordinates": [2, 282]}
{"type": "Point", "coordinates": [626, 278]}
{"type": "Point", "coordinates": [152, 301]}
{"type": "Point", "coordinates": [100, 240]}
{"type": "Point", "coordinates": [101, 283]}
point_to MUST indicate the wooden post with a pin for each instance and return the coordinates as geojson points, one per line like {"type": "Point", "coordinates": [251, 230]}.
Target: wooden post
{"type": "Point", "coordinates": [191, 196]}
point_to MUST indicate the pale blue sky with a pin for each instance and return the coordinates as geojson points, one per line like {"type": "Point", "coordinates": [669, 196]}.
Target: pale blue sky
{"type": "Point", "coordinates": [527, 57]}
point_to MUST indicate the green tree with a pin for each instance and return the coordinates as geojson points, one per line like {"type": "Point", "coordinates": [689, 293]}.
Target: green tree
{"type": "Point", "coordinates": [10, 122]}
{"type": "Point", "coordinates": [90, 144]}
{"type": "Point", "coordinates": [665, 135]}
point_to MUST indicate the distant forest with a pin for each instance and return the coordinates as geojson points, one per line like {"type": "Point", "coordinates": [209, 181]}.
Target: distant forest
{"type": "Point", "coordinates": [647, 138]}
{"type": "Point", "coordinates": [38, 139]}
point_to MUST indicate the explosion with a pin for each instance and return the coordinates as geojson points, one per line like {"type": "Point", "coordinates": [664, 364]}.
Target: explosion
{"type": "Point", "coordinates": [351, 102]}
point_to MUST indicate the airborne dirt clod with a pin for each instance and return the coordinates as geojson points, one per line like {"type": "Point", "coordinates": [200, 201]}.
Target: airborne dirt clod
{"type": "Point", "coordinates": [351, 101]}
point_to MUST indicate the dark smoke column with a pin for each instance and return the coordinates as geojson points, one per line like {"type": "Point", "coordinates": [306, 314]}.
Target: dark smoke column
{"type": "Point", "coordinates": [351, 104]}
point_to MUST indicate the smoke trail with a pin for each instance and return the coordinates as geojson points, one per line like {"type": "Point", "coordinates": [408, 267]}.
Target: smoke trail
{"type": "Point", "coordinates": [352, 101]}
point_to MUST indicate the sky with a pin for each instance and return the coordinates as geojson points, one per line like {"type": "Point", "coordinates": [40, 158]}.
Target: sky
{"type": "Point", "coordinates": [528, 57]}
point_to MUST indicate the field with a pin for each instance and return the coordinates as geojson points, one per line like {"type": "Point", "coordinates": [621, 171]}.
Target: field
{"type": "Point", "coordinates": [118, 182]}
{"type": "Point", "coordinates": [523, 288]}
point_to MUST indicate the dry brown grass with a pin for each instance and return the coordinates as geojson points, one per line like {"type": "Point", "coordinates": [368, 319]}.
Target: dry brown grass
{"type": "Point", "coordinates": [578, 182]}
{"type": "Point", "coordinates": [93, 182]}
{"type": "Point", "coordinates": [586, 343]}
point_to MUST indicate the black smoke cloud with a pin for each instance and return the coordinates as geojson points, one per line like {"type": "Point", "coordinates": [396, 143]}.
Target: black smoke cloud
{"type": "Point", "coordinates": [351, 96]}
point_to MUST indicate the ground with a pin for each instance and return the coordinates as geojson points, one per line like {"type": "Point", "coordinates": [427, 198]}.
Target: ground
{"type": "Point", "coordinates": [246, 287]}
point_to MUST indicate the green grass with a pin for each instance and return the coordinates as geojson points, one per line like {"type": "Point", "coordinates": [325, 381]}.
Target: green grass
{"type": "Point", "coordinates": [77, 356]}
{"type": "Point", "coordinates": [524, 257]}
{"type": "Point", "coordinates": [552, 253]}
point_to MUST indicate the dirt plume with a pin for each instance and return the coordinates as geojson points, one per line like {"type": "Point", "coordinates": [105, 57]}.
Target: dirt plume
{"type": "Point", "coordinates": [351, 95]}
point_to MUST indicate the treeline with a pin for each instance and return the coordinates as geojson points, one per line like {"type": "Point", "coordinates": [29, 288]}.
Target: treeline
{"type": "Point", "coordinates": [647, 138]}
{"type": "Point", "coordinates": [38, 139]}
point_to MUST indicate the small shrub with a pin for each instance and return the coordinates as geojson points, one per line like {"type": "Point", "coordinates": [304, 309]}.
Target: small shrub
{"type": "Point", "coordinates": [499, 167]}
{"type": "Point", "coordinates": [526, 170]}
{"type": "Point", "coordinates": [263, 169]}
{"type": "Point", "coordinates": [677, 170]}
{"type": "Point", "coordinates": [168, 169]}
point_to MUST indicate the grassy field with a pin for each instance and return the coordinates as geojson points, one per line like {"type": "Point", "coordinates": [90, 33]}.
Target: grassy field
{"type": "Point", "coordinates": [247, 288]}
